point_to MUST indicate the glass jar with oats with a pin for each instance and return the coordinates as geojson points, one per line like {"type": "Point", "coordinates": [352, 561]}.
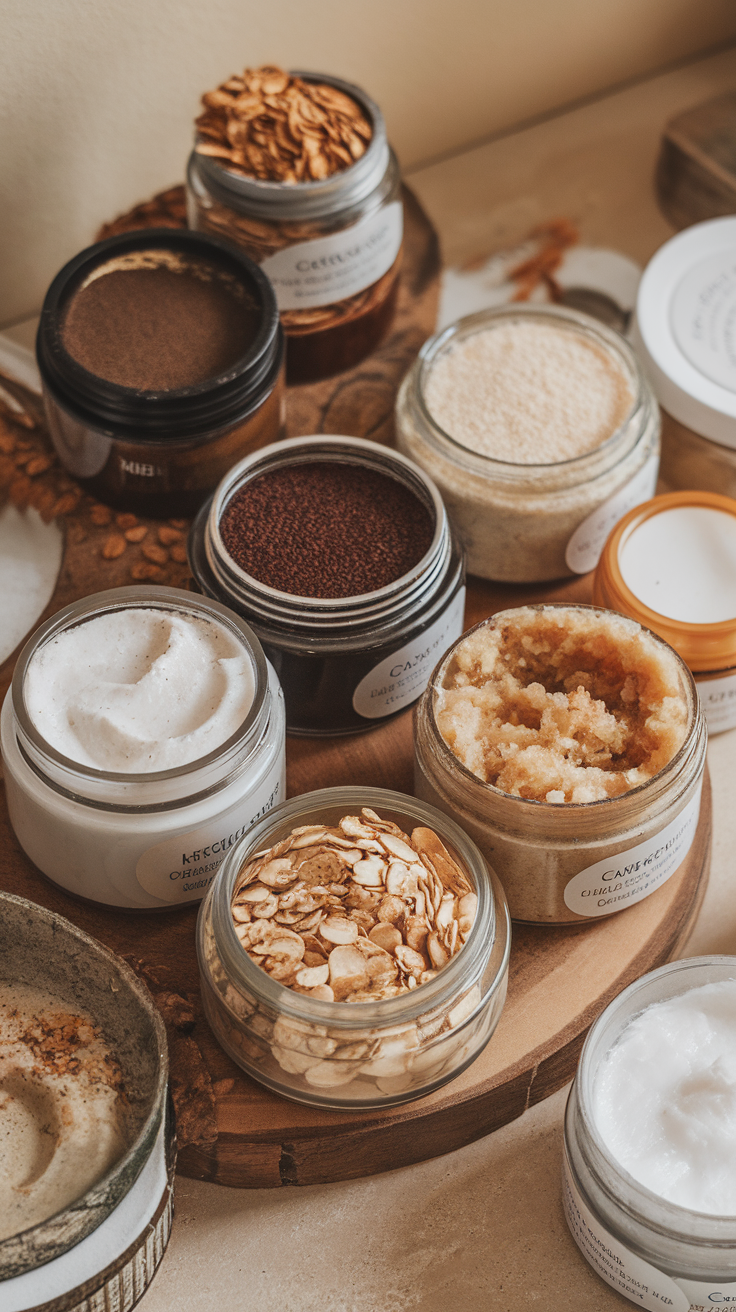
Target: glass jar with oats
{"type": "Point", "coordinates": [354, 949]}
{"type": "Point", "coordinates": [540, 431]}
{"type": "Point", "coordinates": [295, 168]}
{"type": "Point", "coordinates": [569, 742]}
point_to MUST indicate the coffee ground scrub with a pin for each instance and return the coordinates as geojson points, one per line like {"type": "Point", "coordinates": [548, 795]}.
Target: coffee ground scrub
{"type": "Point", "coordinates": [161, 357]}
{"type": "Point", "coordinates": [339, 553]}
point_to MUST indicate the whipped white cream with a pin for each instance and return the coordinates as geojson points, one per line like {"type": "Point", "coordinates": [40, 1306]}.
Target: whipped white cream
{"type": "Point", "coordinates": [664, 1099]}
{"type": "Point", "coordinates": [139, 690]}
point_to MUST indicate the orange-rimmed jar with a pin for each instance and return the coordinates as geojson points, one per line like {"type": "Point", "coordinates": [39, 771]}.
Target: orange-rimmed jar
{"type": "Point", "coordinates": [671, 564]}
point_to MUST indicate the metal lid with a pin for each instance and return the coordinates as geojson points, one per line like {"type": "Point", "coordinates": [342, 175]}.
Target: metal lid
{"type": "Point", "coordinates": [671, 564]}
{"type": "Point", "coordinates": [685, 328]}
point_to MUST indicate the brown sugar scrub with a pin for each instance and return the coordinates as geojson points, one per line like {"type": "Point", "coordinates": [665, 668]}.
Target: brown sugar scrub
{"type": "Point", "coordinates": [562, 706]}
{"type": "Point", "coordinates": [568, 741]}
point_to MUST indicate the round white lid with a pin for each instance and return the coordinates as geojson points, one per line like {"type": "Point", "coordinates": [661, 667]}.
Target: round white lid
{"type": "Point", "coordinates": [685, 329]}
{"type": "Point", "coordinates": [681, 563]}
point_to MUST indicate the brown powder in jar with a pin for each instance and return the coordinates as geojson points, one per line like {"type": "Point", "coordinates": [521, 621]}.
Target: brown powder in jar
{"type": "Point", "coordinates": [562, 704]}
{"type": "Point", "coordinates": [155, 322]}
{"type": "Point", "coordinates": [326, 529]}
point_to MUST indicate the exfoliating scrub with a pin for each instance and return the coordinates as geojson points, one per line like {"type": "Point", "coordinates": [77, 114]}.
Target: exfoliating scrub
{"type": "Point", "coordinates": [137, 690]}
{"type": "Point", "coordinates": [63, 1110]}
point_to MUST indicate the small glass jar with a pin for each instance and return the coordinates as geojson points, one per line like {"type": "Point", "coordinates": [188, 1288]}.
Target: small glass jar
{"type": "Point", "coordinates": [160, 452]}
{"type": "Point", "coordinates": [370, 1054]}
{"type": "Point", "coordinates": [526, 523]}
{"type": "Point", "coordinates": [653, 1252]}
{"type": "Point", "coordinates": [344, 663]}
{"type": "Point", "coordinates": [682, 332]}
{"type": "Point", "coordinates": [679, 550]}
{"type": "Point", "coordinates": [141, 841]}
{"type": "Point", "coordinates": [565, 863]}
{"type": "Point", "coordinates": [332, 249]}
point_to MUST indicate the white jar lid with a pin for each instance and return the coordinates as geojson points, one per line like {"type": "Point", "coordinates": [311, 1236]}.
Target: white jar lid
{"type": "Point", "coordinates": [685, 329]}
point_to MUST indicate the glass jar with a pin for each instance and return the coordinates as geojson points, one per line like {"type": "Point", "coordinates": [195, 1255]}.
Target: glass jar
{"type": "Point", "coordinates": [370, 1054]}
{"type": "Point", "coordinates": [654, 1252]}
{"type": "Point", "coordinates": [141, 841]}
{"type": "Point", "coordinates": [160, 452]}
{"type": "Point", "coordinates": [682, 332]}
{"type": "Point", "coordinates": [332, 249]}
{"type": "Point", "coordinates": [524, 523]}
{"type": "Point", "coordinates": [344, 663]}
{"type": "Point", "coordinates": [564, 863]}
{"type": "Point", "coordinates": [676, 554]}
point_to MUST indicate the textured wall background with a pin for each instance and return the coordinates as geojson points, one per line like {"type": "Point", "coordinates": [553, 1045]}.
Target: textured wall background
{"type": "Point", "coordinates": [97, 97]}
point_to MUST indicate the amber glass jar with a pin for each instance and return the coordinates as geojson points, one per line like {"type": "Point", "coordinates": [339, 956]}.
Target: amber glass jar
{"type": "Point", "coordinates": [331, 248]}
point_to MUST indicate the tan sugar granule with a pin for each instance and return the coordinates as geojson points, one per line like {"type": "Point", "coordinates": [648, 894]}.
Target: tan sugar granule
{"type": "Point", "coordinates": [528, 393]}
{"type": "Point", "coordinates": [562, 705]}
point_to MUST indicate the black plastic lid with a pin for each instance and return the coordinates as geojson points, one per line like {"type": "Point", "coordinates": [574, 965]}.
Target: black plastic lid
{"type": "Point", "coordinates": [182, 412]}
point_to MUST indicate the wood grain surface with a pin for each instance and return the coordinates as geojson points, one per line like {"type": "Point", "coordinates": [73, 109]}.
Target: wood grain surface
{"type": "Point", "coordinates": [232, 1130]}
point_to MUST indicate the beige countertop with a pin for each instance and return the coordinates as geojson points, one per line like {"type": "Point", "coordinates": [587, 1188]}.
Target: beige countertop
{"type": "Point", "coordinates": [480, 1230]}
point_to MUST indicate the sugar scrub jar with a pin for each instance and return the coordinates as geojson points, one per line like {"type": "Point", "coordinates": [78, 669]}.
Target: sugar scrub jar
{"type": "Point", "coordinates": [296, 169]}
{"type": "Point", "coordinates": [570, 744]}
{"type": "Point", "coordinates": [650, 1139]}
{"type": "Point", "coordinates": [682, 333]}
{"type": "Point", "coordinates": [540, 431]}
{"type": "Point", "coordinates": [142, 736]}
{"type": "Point", "coordinates": [671, 564]}
{"type": "Point", "coordinates": [354, 950]}
{"type": "Point", "coordinates": [340, 554]}
{"type": "Point", "coordinates": [161, 358]}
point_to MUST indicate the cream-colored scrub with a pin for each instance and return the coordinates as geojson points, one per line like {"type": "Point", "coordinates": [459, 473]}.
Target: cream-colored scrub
{"type": "Point", "coordinates": [62, 1112]}
{"type": "Point", "coordinates": [139, 690]}
{"type": "Point", "coordinates": [664, 1099]}
{"type": "Point", "coordinates": [562, 705]}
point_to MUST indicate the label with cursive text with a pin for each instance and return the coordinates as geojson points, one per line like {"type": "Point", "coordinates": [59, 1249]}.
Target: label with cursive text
{"type": "Point", "coordinates": [330, 269]}
{"type": "Point", "coordinates": [398, 680]}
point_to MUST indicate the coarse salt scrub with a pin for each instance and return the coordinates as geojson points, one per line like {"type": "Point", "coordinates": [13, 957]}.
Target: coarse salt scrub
{"type": "Point", "coordinates": [671, 564]}
{"type": "Point", "coordinates": [340, 554]}
{"type": "Point", "coordinates": [570, 744]}
{"type": "Point", "coordinates": [540, 431]}
{"type": "Point", "coordinates": [650, 1139]}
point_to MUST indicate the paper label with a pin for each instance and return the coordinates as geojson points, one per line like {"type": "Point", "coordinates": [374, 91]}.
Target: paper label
{"type": "Point", "coordinates": [587, 542]}
{"type": "Point", "coordinates": [402, 677]}
{"type": "Point", "coordinates": [182, 868]}
{"type": "Point", "coordinates": [718, 699]}
{"type": "Point", "coordinates": [626, 877]}
{"type": "Point", "coordinates": [329, 269]}
{"type": "Point", "coordinates": [703, 317]}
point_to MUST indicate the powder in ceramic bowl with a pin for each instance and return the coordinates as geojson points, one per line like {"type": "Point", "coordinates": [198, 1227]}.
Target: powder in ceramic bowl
{"type": "Point", "coordinates": [326, 529]}
{"type": "Point", "coordinates": [528, 393]}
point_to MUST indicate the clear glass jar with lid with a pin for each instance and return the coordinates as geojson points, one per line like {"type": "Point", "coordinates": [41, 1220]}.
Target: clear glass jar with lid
{"type": "Point", "coordinates": [654, 1252]}
{"type": "Point", "coordinates": [523, 523]}
{"type": "Point", "coordinates": [359, 1054]}
{"type": "Point", "coordinates": [331, 247]}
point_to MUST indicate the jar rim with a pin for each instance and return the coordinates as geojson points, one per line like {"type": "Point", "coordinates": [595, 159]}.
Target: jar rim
{"type": "Point", "coordinates": [569, 808]}
{"type": "Point", "coordinates": [491, 923]}
{"type": "Point", "coordinates": [316, 198]}
{"type": "Point", "coordinates": [471, 324]}
{"type": "Point", "coordinates": [143, 597]}
{"type": "Point", "coordinates": [643, 1200]}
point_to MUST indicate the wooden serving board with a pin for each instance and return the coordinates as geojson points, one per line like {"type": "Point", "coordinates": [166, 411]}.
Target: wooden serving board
{"type": "Point", "coordinates": [230, 1129]}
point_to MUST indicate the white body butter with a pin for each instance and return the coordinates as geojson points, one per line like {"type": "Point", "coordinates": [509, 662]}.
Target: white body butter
{"type": "Point", "coordinates": [664, 1099]}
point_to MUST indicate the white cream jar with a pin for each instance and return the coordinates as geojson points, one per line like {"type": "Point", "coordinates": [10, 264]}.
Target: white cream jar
{"type": "Point", "coordinates": [142, 735]}
{"type": "Point", "coordinates": [650, 1139]}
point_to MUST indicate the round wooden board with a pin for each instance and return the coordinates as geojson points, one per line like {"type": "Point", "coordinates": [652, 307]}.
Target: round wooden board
{"type": "Point", "coordinates": [230, 1129]}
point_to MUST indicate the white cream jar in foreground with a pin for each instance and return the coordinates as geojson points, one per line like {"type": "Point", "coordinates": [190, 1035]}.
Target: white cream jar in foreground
{"type": "Point", "coordinates": [142, 736]}
{"type": "Point", "coordinates": [649, 1172]}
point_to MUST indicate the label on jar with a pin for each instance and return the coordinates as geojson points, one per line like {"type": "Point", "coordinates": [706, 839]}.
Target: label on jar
{"type": "Point", "coordinates": [718, 699]}
{"type": "Point", "coordinates": [637, 1280]}
{"type": "Point", "coordinates": [586, 544]}
{"type": "Point", "coordinates": [402, 677]}
{"type": "Point", "coordinates": [330, 269]}
{"type": "Point", "coordinates": [181, 869]}
{"type": "Point", "coordinates": [703, 317]}
{"type": "Point", "coordinates": [626, 877]}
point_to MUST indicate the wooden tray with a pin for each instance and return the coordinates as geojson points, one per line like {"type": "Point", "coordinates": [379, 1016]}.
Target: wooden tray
{"type": "Point", "coordinates": [230, 1129]}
